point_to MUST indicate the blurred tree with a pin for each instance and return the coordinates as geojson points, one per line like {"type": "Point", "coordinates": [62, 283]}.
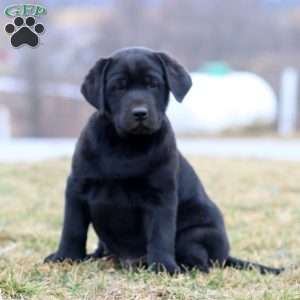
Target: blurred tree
{"type": "Point", "coordinates": [31, 73]}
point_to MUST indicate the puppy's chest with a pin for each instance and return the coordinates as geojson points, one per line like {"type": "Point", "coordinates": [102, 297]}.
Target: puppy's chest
{"type": "Point", "coordinates": [130, 161]}
{"type": "Point", "coordinates": [125, 167]}
{"type": "Point", "coordinates": [119, 204]}
{"type": "Point", "coordinates": [117, 213]}
{"type": "Point", "coordinates": [130, 193]}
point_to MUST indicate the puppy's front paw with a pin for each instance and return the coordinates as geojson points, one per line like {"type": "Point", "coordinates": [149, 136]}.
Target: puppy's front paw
{"type": "Point", "coordinates": [165, 266]}
{"type": "Point", "coordinates": [57, 257]}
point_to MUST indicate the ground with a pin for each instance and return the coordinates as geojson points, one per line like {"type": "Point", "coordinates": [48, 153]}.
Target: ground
{"type": "Point", "coordinates": [260, 201]}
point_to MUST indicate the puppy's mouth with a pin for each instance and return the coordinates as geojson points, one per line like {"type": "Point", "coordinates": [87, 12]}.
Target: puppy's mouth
{"type": "Point", "coordinates": [135, 128]}
{"type": "Point", "coordinates": [141, 129]}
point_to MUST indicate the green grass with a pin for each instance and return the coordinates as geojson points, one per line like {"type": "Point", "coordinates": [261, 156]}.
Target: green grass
{"type": "Point", "coordinates": [260, 201]}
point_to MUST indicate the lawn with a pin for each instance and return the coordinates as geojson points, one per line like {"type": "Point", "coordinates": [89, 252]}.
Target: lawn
{"type": "Point", "coordinates": [260, 201]}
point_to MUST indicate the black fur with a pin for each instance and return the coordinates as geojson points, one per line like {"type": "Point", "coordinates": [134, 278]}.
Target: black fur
{"type": "Point", "coordinates": [131, 183]}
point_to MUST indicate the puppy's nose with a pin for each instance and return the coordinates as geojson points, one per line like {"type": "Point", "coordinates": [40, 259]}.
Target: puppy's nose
{"type": "Point", "coordinates": [140, 113]}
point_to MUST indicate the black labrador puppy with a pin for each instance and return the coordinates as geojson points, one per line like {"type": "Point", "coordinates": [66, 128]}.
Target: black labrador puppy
{"type": "Point", "coordinates": [129, 180]}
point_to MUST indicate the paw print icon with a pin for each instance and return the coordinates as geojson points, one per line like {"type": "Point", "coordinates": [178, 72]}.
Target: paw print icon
{"type": "Point", "coordinates": [24, 31]}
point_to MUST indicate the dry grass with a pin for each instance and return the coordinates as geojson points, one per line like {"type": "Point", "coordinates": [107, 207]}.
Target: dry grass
{"type": "Point", "coordinates": [260, 201]}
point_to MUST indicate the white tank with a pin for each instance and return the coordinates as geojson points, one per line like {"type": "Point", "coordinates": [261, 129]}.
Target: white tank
{"type": "Point", "coordinates": [216, 103]}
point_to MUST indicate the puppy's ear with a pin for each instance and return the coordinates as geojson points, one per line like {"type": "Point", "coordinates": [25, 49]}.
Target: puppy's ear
{"type": "Point", "coordinates": [92, 87]}
{"type": "Point", "coordinates": [178, 78]}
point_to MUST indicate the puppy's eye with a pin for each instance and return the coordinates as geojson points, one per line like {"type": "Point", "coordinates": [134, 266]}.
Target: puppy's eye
{"type": "Point", "coordinates": [120, 84]}
{"type": "Point", "coordinates": [151, 82]}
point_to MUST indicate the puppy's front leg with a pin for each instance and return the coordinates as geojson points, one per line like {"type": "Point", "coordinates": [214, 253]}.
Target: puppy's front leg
{"type": "Point", "coordinates": [76, 221]}
{"type": "Point", "coordinates": [160, 225]}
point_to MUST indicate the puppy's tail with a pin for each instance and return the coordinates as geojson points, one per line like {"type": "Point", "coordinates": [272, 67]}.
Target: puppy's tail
{"type": "Point", "coordinates": [246, 265]}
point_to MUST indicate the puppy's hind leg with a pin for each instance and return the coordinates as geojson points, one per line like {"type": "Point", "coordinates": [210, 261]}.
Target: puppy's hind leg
{"type": "Point", "coordinates": [192, 256]}
{"type": "Point", "coordinates": [201, 248]}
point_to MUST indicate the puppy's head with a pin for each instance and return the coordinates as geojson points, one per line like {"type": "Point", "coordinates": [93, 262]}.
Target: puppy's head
{"type": "Point", "coordinates": [132, 87]}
